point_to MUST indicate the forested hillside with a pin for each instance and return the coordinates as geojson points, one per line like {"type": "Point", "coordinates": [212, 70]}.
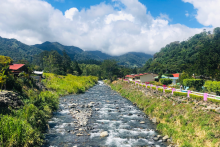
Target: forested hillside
{"type": "Point", "coordinates": [17, 50]}
{"type": "Point", "coordinates": [200, 55]}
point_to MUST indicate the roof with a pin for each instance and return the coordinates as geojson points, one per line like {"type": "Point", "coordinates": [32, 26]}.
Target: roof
{"type": "Point", "coordinates": [176, 75]}
{"type": "Point", "coordinates": [16, 66]}
{"type": "Point", "coordinates": [136, 75]}
{"type": "Point", "coordinates": [129, 76]}
{"type": "Point", "coordinates": [141, 74]}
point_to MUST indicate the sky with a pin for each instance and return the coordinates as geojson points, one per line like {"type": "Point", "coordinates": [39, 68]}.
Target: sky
{"type": "Point", "coordinates": [114, 27]}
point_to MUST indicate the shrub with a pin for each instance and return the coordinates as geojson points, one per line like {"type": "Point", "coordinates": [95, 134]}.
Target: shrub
{"type": "Point", "coordinates": [160, 89]}
{"type": "Point", "coordinates": [197, 97]}
{"type": "Point", "coordinates": [214, 100]}
{"type": "Point", "coordinates": [148, 87]}
{"type": "Point", "coordinates": [166, 81]}
{"type": "Point", "coordinates": [152, 82]}
{"type": "Point", "coordinates": [158, 84]}
{"type": "Point", "coordinates": [213, 86]}
{"type": "Point", "coordinates": [197, 83]}
{"type": "Point", "coordinates": [168, 91]}
{"type": "Point", "coordinates": [179, 93]}
{"type": "Point", "coordinates": [154, 88]}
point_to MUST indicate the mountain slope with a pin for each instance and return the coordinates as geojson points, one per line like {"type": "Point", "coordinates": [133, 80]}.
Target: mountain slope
{"type": "Point", "coordinates": [48, 46]}
{"type": "Point", "coordinates": [17, 50]}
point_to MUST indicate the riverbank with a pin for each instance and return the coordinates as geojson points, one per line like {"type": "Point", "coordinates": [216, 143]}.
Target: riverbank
{"type": "Point", "coordinates": [180, 120]}
{"type": "Point", "coordinates": [24, 125]}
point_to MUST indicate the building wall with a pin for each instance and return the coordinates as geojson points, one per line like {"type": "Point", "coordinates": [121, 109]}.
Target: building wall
{"type": "Point", "coordinates": [146, 78]}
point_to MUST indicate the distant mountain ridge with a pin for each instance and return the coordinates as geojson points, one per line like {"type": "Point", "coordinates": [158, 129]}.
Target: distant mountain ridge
{"type": "Point", "coordinates": [18, 50]}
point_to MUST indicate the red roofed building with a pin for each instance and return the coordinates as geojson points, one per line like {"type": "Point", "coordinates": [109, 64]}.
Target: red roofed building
{"type": "Point", "coordinates": [176, 75]}
{"type": "Point", "coordinates": [17, 68]}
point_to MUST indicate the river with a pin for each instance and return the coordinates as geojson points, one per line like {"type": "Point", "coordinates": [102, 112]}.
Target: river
{"type": "Point", "coordinates": [79, 124]}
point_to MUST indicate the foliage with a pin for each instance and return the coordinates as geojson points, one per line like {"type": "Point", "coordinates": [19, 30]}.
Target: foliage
{"type": "Point", "coordinates": [214, 100]}
{"type": "Point", "coordinates": [213, 86]}
{"type": "Point", "coordinates": [160, 89]}
{"type": "Point", "coordinates": [154, 88]}
{"type": "Point", "coordinates": [168, 91]}
{"type": "Point", "coordinates": [197, 83]}
{"type": "Point", "coordinates": [148, 87]}
{"type": "Point", "coordinates": [166, 81]}
{"type": "Point", "coordinates": [199, 55]}
{"type": "Point", "coordinates": [69, 84]}
{"type": "Point", "coordinates": [197, 97]}
{"type": "Point", "coordinates": [179, 93]}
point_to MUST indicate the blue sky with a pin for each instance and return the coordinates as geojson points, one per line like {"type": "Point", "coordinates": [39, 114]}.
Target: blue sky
{"type": "Point", "coordinates": [175, 9]}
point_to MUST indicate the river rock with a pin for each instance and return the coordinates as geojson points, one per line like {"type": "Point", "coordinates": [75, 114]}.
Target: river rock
{"type": "Point", "coordinates": [154, 120]}
{"type": "Point", "coordinates": [165, 138]}
{"type": "Point", "coordinates": [142, 122]}
{"type": "Point", "coordinates": [104, 134]}
{"type": "Point", "coordinates": [217, 110]}
{"type": "Point", "coordinates": [155, 139]}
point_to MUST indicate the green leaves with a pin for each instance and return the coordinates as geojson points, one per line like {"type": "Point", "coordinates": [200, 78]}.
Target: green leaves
{"type": "Point", "coordinates": [196, 83]}
{"type": "Point", "coordinates": [166, 81]}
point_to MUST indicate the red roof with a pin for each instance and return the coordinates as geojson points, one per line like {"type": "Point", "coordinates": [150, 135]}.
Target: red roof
{"type": "Point", "coordinates": [141, 74]}
{"type": "Point", "coordinates": [129, 76]}
{"type": "Point", "coordinates": [136, 75]}
{"type": "Point", "coordinates": [176, 75]}
{"type": "Point", "coordinates": [16, 66]}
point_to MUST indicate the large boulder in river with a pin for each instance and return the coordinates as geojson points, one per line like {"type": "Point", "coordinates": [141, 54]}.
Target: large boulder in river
{"type": "Point", "coordinates": [104, 134]}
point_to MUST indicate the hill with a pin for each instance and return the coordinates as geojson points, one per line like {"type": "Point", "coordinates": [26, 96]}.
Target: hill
{"type": "Point", "coordinates": [200, 55]}
{"type": "Point", "coordinates": [17, 50]}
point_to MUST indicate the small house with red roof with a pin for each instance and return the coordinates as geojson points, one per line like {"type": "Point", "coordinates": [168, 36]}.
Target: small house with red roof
{"type": "Point", "coordinates": [17, 68]}
{"type": "Point", "coordinates": [143, 77]}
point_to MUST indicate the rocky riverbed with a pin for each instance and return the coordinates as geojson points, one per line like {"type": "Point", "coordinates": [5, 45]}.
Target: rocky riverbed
{"type": "Point", "coordinates": [101, 117]}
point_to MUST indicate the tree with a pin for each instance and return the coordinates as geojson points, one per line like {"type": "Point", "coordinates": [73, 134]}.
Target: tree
{"type": "Point", "coordinates": [110, 69]}
{"type": "Point", "coordinates": [76, 67]}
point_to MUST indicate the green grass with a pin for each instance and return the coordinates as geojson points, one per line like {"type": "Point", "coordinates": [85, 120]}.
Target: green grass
{"type": "Point", "coordinates": [187, 127]}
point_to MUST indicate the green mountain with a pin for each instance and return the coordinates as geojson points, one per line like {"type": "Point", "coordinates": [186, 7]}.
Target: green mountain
{"type": "Point", "coordinates": [17, 50]}
{"type": "Point", "coordinates": [199, 55]}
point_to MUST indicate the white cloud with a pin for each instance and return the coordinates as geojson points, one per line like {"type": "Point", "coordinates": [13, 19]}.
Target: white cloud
{"type": "Point", "coordinates": [101, 27]}
{"type": "Point", "coordinates": [60, 1]}
{"type": "Point", "coordinates": [207, 11]}
{"type": "Point", "coordinates": [187, 14]}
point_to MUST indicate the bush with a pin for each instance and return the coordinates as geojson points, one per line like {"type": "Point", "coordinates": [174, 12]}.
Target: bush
{"type": "Point", "coordinates": [214, 100]}
{"type": "Point", "coordinates": [213, 86]}
{"type": "Point", "coordinates": [197, 83]}
{"type": "Point", "coordinates": [152, 82]}
{"type": "Point", "coordinates": [148, 87]}
{"type": "Point", "coordinates": [154, 88]}
{"type": "Point", "coordinates": [168, 91]}
{"type": "Point", "coordinates": [158, 84]}
{"type": "Point", "coordinates": [197, 97]}
{"type": "Point", "coordinates": [160, 89]}
{"type": "Point", "coordinates": [179, 93]}
{"type": "Point", "coordinates": [166, 81]}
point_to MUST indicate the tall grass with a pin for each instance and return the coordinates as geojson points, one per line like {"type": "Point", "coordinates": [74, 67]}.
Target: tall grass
{"type": "Point", "coordinates": [186, 126]}
{"type": "Point", "coordinates": [69, 84]}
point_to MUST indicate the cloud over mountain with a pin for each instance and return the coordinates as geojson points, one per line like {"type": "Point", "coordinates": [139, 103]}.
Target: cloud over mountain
{"type": "Point", "coordinates": [115, 29]}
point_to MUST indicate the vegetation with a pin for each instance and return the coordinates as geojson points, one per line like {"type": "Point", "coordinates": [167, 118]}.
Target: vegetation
{"type": "Point", "coordinates": [196, 83]}
{"type": "Point", "coordinates": [213, 86]}
{"type": "Point", "coordinates": [179, 93]}
{"type": "Point", "coordinates": [166, 81]}
{"type": "Point", "coordinates": [197, 97]}
{"type": "Point", "coordinates": [69, 84]}
{"type": "Point", "coordinates": [186, 126]}
{"type": "Point", "coordinates": [25, 125]}
{"type": "Point", "coordinates": [168, 91]}
{"type": "Point", "coordinates": [199, 55]}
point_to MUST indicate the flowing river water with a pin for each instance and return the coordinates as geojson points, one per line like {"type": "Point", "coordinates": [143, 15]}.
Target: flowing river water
{"type": "Point", "coordinates": [82, 118]}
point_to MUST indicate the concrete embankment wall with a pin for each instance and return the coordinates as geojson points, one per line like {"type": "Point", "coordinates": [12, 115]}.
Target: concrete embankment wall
{"type": "Point", "coordinates": [186, 121]}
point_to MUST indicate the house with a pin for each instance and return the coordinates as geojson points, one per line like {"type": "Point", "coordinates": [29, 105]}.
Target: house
{"type": "Point", "coordinates": [38, 76]}
{"type": "Point", "coordinates": [145, 77]}
{"type": "Point", "coordinates": [18, 68]}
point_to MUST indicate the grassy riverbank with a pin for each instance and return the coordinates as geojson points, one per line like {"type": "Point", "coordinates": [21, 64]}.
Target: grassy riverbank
{"type": "Point", "coordinates": [25, 126]}
{"type": "Point", "coordinates": [186, 126]}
